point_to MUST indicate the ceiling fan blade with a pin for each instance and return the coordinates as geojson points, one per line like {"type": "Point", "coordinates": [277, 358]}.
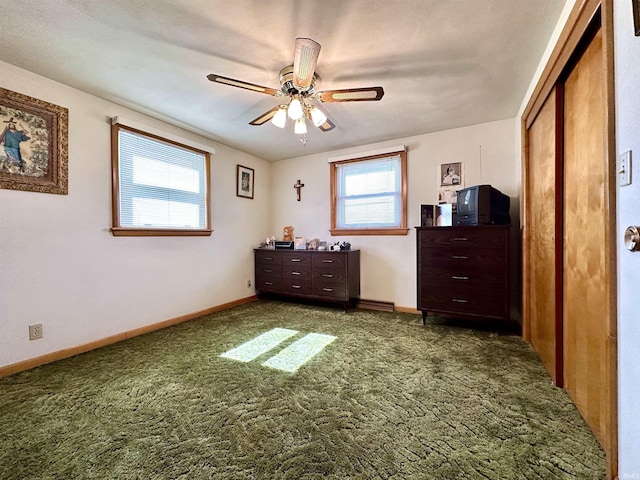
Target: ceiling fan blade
{"type": "Point", "coordinates": [304, 62]}
{"type": "Point", "coordinates": [240, 84]}
{"type": "Point", "coordinates": [326, 126]}
{"type": "Point", "coordinates": [350, 95]}
{"type": "Point", "coordinates": [265, 117]}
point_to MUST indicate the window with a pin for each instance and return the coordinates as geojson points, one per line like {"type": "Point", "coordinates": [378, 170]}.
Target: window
{"type": "Point", "coordinates": [160, 187]}
{"type": "Point", "coordinates": [369, 195]}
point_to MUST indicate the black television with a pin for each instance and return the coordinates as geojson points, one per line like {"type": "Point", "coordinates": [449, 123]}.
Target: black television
{"type": "Point", "coordinates": [482, 205]}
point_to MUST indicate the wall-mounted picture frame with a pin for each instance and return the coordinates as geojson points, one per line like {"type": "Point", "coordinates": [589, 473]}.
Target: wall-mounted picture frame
{"type": "Point", "coordinates": [244, 181]}
{"type": "Point", "coordinates": [451, 174]}
{"type": "Point", "coordinates": [636, 16]}
{"type": "Point", "coordinates": [34, 144]}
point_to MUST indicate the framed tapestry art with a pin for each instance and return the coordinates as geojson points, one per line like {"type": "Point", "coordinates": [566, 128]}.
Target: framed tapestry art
{"type": "Point", "coordinates": [244, 182]}
{"type": "Point", "coordinates": [33, 144]}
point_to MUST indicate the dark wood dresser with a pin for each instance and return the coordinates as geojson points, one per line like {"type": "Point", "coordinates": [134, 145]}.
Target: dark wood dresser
{"type": "Point", "coordinates": [464, 271]}
{"type": "Point", "coordinates": [312, 274]}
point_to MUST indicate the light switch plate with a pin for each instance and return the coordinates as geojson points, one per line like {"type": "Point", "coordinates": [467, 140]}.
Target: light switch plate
{"type": "Point", "coordinates": [624, 169]}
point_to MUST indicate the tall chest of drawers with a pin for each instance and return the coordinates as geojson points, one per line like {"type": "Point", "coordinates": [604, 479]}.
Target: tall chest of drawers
{"type": "Point", "coordinates": [318, 275]}
{"type": "Point", "coordinates": [464, 271]}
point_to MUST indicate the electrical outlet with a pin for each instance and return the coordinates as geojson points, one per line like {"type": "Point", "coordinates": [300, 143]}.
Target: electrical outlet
{"type": "Point", "coordinates": [35, 331]}
{"type": "Point", "coordinates": [248, 283]}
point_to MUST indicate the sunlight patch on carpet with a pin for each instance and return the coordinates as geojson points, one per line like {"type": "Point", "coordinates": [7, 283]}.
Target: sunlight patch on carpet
{"type": "Point", "coordinates": [259, 345]}
{"type": "Point", "coordinates": [299, 352]}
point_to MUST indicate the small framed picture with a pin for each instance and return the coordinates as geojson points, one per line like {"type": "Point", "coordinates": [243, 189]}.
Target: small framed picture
{"type": "Point", "coordinates": [299, 243]}
{"type": "Point", "coordinates": [244, 181]}
{"type": "Point", "coordinates": [451, 174]}
{"type": "Point", "coordinates": [427, 215]}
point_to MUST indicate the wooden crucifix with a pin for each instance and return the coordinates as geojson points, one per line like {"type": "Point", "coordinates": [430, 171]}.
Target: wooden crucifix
{"type": "Point", "coordinates": [298, 186]}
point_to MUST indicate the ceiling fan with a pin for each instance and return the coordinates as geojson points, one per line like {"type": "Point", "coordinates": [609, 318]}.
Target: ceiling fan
{"type": "Point", "coordinates": [297, 82]}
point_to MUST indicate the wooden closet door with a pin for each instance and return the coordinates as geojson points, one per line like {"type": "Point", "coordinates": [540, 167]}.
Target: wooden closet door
{"type": "Point", "coordinates": [586, 305]}
{"type": "Point", "coordinates": [543, 235]}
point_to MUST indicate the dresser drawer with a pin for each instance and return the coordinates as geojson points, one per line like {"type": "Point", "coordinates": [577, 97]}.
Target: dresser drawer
{"type": "Point", "coordinates": [295, 273]}
{"type": "Point", "coordinates": [268, 269]}
{"type": "Point", "coordinates": [292, 284]}
{"type": "Point", "coordinates": [333, 290]}
{"type": "Point", "coordinates": [490, 305]}
{"type": "Point", "coordinates": [463, 259]}
{"type": "Point", "coordinates": [471, 237]}
{"type": "Point", "coordinates": [329, 276]}
{"type": "Point", "coordinates": [335, 261]}
{"type": "Point", "coordinates": [268, 282]}
{"type": "Point", "coordinates": [271, 257]}
{"type": "Point", "coordinates": [460, 278]}
{"type": "Point", "coordinates": [296, 259]}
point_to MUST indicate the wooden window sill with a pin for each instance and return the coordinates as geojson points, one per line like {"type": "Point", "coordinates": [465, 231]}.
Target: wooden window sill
{"type": "Point", "coordinates": [159, 232]}
{"type": "Point", "coordinates": [369, 231]}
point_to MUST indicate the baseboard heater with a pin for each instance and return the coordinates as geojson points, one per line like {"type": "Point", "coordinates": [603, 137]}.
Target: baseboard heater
{"type": "Point", "coordinates": [375, 305]}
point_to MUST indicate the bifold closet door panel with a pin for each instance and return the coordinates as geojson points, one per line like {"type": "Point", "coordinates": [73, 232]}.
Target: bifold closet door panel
{"type": "Point", "coordinates": [586, 273]}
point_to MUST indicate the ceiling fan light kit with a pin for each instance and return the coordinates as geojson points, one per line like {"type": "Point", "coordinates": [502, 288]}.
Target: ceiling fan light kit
{"type": "Point", "coordinates": [280, 118]}
{"type": "Point", "coordinates": [295, 109]}
{"type": "Point", "coordinates": [300, 127]}
{"type": "Point", "coordinates": [298, 82]}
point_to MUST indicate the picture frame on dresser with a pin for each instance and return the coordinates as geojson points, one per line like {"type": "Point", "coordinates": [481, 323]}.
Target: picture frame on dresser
{"type": "Point", "coordinates": [299, 243]}
{"type": "Point", "coordinates": [427, 215]}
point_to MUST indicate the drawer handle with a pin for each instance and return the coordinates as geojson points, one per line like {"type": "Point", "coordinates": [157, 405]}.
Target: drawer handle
{"type": "Point", "coordinates": [459, 277]}
{"type": "Point", "coordinates": [458, 300]}
{"type": "Point", "coordinates": [460, 239]}
{"type": "Point", "coordinates": [327, 275]}
{"type": "Point", "coordinates": [327, 261]}
{"type": "Point", "coordinates": [459, 257]}
{"type": "Point", "coordinates": [296, 286]}
{"type": "Point", "coordinates": [296, 273]}
{"type": "Point", "coordinates": [268, 271]}
{"type": "Point", "coordinates": [268, 258]}
{"type": "Point", "coordinates": [328, 289]}
{"type": "Point", "coordinates": [268, 283]}
{"type": "Point", "coordinates": [296, 259]}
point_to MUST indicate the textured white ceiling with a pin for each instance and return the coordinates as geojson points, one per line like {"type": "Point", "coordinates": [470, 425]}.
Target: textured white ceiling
{"type": "Point", "coordinates": [442, 63]}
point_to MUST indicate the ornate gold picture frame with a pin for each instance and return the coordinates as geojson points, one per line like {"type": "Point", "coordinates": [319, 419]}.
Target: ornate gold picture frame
{"type": "Point", "coordinates": [33, 144]}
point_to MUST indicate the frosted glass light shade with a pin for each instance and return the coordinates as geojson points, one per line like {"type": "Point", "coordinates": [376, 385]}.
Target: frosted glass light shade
{"type": "Point", "coordinates": [280, 118]}
{"type": "Point", "coordinates": [317, 116]}
{"type": "Point", "coordinates": [301, 126]}
{"type": "Point", "coordinates": [295, 109]}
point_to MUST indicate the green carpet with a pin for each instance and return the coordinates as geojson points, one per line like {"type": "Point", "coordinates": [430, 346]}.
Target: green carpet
{"type": "Point", "coordinates": [387, 399]}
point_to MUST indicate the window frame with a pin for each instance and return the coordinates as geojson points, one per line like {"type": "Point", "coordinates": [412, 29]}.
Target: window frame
{"type": "Point", "coordinates": [401, 230]}
{"type": "Point", "coordinates": [117, 229]}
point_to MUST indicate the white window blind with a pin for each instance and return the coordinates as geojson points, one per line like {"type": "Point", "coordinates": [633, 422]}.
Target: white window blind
{"type": "Point", "coordinates": [369, 193]}
{"type": "Point", "coordinates": [161, 185]}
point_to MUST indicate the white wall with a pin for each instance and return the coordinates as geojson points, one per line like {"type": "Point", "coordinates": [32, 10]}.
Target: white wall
{"type": "Point", "coordinates": [60, 265]}
{"type": "Point", "coordinates": [388, 263]}
{"type": "Point", "coordinates": [627, 79]}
